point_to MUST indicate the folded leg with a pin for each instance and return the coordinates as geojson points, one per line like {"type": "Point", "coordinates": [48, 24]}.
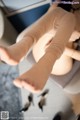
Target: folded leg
{"type": "Point", "coordinates": [35, 79]}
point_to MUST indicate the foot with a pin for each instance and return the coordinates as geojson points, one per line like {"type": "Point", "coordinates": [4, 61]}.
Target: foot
{"type": "Point", "coordinates": [32, 80]}
{"type": "Point", "coordinates": [35, 79]}
{"type": "Point", "coordinates": [13, 54]}
{"type": "Point", "coordinates": [8, 56]}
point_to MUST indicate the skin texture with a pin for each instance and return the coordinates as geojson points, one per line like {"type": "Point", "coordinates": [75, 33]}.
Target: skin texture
{"type": "Point", "coordinates": [55, 19]}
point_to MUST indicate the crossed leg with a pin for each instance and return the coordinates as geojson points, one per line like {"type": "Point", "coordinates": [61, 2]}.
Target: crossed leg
{"type": "Point", "coordinates": [13, 54]}
{"type": "Point", "coordinates": [35, 79]}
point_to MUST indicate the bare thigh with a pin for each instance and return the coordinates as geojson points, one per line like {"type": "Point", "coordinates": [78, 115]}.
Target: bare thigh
{"type": "Point", "coordinates": [62, 66]}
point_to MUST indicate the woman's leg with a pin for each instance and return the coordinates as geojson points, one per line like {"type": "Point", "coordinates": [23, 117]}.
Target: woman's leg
{"type": "Point", "coordinates": [14, 53]}
{"type": "Point", "coordinates": [35, 79]}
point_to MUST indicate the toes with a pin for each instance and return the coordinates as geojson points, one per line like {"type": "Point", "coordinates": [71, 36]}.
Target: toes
{"type": "Point", "coordinates": [27, 84]}
{"type": "Point", "coordinates": [18, 83]}
{"type": "Point", "coordinates": [3, 53]}
{"type": "Point", "coordinates": [7, 57]}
